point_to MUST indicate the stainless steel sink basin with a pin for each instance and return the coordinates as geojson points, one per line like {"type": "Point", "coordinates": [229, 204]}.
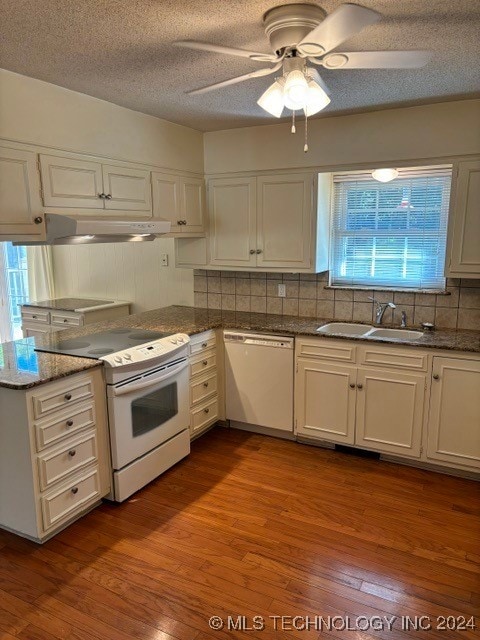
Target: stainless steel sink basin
{"type": "Point", "coordinates": [345, 328]}
{"type": "Point", "coordinates": [395, 334]}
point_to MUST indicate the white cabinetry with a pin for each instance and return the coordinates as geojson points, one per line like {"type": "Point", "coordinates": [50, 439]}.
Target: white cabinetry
{"type": "Point", "coordinates": [454, 419]}
{"type": "Point", "coordinates": [21, 213]}
{"type": "Point", "coordinates": [463, 252]}
{"type": "Point", "coordinates": [181, 200]}
{"type": "Point", "coordinates": [69, 183]}
{"type": "Point", "coordinates": [54, 454]}
{"type": "Point", "coordinates": [378, 407]}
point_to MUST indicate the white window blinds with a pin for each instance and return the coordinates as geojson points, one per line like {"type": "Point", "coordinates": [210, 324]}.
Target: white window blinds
{"type": "Point", "coordinates": [390, 234]}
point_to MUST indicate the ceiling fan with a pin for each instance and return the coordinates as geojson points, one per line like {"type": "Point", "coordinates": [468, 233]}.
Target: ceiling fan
{"type": "Point", "coordinates": [300, 34]}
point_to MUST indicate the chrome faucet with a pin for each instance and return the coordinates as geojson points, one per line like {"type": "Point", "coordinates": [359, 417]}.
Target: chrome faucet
{"type": "Point", "coordinates": [380, 309]}
{"type": "Point", "coordinates": [404, 320]}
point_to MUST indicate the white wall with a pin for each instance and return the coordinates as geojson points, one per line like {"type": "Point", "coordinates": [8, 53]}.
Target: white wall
{"type": "Point", "coordinates": [430, 131]}
{"type": "Point", "coordinates": [43, 114]}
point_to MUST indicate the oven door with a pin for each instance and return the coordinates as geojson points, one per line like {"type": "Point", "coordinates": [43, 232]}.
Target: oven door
{"type": "Point", "coordinates": [147, 410]}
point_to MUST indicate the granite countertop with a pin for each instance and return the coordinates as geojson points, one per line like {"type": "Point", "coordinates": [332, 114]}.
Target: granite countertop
{"type": "Point", "coordinates": [68, 304]}
{"type": "Point", "coordinates": [17, 371]}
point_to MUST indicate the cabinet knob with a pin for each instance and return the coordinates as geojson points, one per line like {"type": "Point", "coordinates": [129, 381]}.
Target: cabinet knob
{"type": "Point", "coordinates": [74, 490]}
{"type": "Point", "coordinates": [258, 251]}
{"type": "Point", "coordinates": [207, 410]}
{"type": "Point", "coordinates": [352, 385]}
{"type": "Point", "coordinates": [204, 345]}
{"type": "Point", "coordinates": [108, 196]}
{"type": "Point", "coordinates": [38, 220]}
{"type": "Point", "coordinates": [359, 386]}
{"type": "Point", "coordinates": [72, 452]}
{"type": "Point", "coordinates": [65, 319]}
{"type": "Point", "coordinates": [204, 362]}
{"type": "Point", "coordinates": [252, 251]}
{"type": "Point", "coordinates": [69, 423]}
{"type": "Point", "coordinates": [179, 222]}
{"type": "Point", "coordinates": [68, 396]}
{"type": "Point", "coordinates": [34, 317]}
{"type": "Point", "coordinates": [102, 196]}
{"type": "Point", "coordinates": [184, 222]}
{"type": "Point", "coordinates": [436, 376]}
{"type": "Point", "coordinates": [205, 384]}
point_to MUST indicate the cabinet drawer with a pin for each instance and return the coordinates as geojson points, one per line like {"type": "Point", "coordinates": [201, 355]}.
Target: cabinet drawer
{"type": "Point", "coordinates": [204, 415]}
{"type": "Point", "coordinates": [203, 363]}
{"type": "Point", "coordinates": [36, 315]}
{"type": "Point", "coordinates": [71, 499]}
{"type": "Point", "coordinates": [58, 464]}
{"type": "Point", "coordinates": [203, 388]}
{"type": "Point", "coordinates": [67, 319]}
{"type": "Point", "coordinates": [394, 358]}
{"type": "Point", "coordinates": [61, 397]}
{"type": "Point", "coordinates": [62, 425]}
{"type": "Point", "coordinates": [326, 349]}
{"type": "Point", "coordinates": [202, 341]}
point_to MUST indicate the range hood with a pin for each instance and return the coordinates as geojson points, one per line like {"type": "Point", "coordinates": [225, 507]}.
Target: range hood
{"type": "Point", "coordinates": [65, 230]}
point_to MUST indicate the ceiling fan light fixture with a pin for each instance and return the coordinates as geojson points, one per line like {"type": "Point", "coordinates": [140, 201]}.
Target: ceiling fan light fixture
{"type": "Point", "coordinates": [295, 90]}
{"type": "Point", "coordinates": [317, 99]}
{"type": "Point", "coordinates": [384, 175]}
{"type": "Point", "coordinates": [272, 100]}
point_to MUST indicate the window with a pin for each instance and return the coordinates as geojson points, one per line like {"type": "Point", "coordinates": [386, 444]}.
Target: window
{"type": "Point", "coordinates": [390, 234]}
{"type": "Point", "coordinates": [13, 290]}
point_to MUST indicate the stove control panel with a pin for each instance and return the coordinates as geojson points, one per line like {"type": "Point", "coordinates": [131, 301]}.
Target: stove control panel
{"type": "Point", "coordinates": [162, 349]}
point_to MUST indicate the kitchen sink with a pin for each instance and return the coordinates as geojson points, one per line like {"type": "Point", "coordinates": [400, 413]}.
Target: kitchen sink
{"type": "Point", "coordinates": [345, 328]}
{"type": "Point", "coordinates": [395, 334]}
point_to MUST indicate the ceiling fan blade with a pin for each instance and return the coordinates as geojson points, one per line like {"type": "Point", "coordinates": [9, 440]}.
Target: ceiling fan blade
{"type": "Point", "coordinates": [230, 51]}
{"type": "Point", "coordinates": [248, 76]}
{"type": "Point", "coordinates": [340, 25]}
{"type": "Point", "coordinates": [377, 60]}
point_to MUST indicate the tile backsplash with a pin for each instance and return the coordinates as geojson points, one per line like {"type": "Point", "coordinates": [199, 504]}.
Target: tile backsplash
{"type": "Point", "coordinates": [308, 295]}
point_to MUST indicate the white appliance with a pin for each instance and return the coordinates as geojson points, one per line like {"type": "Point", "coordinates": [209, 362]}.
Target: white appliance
{"type": "Point", "coordinates": [148, 411]}
{"type": "Point", "coordinates": [259, 380]}
{"type": "Point", "coordinates": [65, 230]}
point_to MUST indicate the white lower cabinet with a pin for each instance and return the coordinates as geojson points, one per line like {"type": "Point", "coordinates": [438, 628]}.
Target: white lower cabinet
{"type": "Point", "coordinates": [389, 411]}
{"type": "Point", "coordinates": [54, 454]}
{"type": "Point", "coordinates": [454, 418]}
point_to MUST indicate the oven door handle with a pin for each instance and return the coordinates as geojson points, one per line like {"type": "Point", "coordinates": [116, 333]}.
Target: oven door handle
{"type": "Point", "coordinates": [155, 379]}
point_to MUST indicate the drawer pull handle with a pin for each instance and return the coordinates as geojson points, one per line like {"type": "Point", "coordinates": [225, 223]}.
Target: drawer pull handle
{"type": "Point", "coordinates": [69, 423]}
{"type": "Point", "coordinates": [359, 386]}
{"type": "Point", "coordinates": [74, 490]}
{"type": "Point", "coordinates": [68, 396]}
{"type": "Point", "coordinates": [65, 319]}
{"type": "Point", "coordinates": [204, 362]}
{"type": "Point", "coordinates": [204, 345]}
{"type": "Point", "coordinates": [205, 384]}
{"type": "Point", "coordinates": [34, 317]}
{"type": "Point", "coordinates": [352, 385]}
{"type": "Point", "coordinates": [72, 452]}
{"type": "Point", "coordinates": [436, 376]}
{"type": "Point", "coordinates": [207, 410]}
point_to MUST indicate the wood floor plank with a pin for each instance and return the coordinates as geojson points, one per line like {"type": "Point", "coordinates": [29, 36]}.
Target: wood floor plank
{"type": "Point", "coordinates": [250, 525]}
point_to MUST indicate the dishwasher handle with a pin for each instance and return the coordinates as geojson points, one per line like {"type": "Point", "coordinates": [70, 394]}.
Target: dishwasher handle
{"type": "Point", "coordinates": [255, 339]}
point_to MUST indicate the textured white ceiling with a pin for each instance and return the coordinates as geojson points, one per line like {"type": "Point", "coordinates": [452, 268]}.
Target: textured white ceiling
{"type": "Point", "coordinates": [120, 51]}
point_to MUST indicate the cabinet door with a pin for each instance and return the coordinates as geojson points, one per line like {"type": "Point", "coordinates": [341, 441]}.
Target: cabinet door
{"type": "Point", "coordinates": [166, 199]}
{"type": "Point", "coordinates": [284, 221]}
{"type": "Point", "coordinates": [20, 200]}
{"type": "Point", "coordinates": [193, 205]}
{"type": "Point", "coordinates": [231, 206]}
{"type": "Point", "coordinates": [454, 419]}
{"type": "Point", "coordinates": [69, 183]}
{"type": "Point", "coordinates": [325, 401]}
{"type": "Point", "coordinates": [390, 411]}
{"type": "Point", "coordinates": [464, 227]}
{"type": "Point", "coordinates": [130, 189]}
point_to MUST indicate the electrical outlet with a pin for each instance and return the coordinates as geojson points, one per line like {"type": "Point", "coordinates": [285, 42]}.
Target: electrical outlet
{"type": "Point", "coordinates": [164, 260]}
{"type": "Point", "coordinates": [282, 291]}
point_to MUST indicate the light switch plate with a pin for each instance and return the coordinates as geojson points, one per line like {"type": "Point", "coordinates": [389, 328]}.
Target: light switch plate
{"type": "Point", "coordinates": [164, 260]}
{"type": "Point", "coordinates": [282, 291]}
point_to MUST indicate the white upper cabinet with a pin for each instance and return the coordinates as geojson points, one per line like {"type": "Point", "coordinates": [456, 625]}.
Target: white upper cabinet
{"type": "Point", "coordinates": [232, 222]}
{"type": "Point", "coordinates": [180, 200]}
{"type": "Point", "coordinates": [463, 252]}
{"type": "Point", "coordinates": [21, 213]}
{"type": "Point", "coordinates": [70, 183]}
{"type": "Point", "coordinates": [284, 221]}
{"type": "Point", "coordinates": [82, 185]}
{"type": "Point", "coordinates": [127, 189]}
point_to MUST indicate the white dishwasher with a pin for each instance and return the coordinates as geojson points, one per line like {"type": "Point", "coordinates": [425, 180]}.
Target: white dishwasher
{"type": "Point", "coordinates": [259, 379]}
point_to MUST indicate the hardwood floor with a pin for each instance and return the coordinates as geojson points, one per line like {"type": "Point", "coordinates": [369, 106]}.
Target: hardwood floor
{"type": "Point", "coordinates": [254, 526]}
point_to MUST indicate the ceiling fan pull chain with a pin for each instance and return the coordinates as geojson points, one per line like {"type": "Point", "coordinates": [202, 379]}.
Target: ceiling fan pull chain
{"type": "Point", "coordinates": [293, 122]}
{"type": "Point", "coordinates": [305, 146]}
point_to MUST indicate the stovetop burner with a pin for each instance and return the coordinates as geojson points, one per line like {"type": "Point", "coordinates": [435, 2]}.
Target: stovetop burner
{"type": "Point", "coordinates": [100, 344]}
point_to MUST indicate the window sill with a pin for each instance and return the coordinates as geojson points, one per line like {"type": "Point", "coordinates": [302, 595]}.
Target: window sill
{"type": "Point", "coordinates": [437, 292]}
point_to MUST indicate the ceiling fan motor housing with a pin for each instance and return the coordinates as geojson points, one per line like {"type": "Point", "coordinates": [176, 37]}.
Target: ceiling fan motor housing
{"type": "Point", "coordinates": [287, 25]}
